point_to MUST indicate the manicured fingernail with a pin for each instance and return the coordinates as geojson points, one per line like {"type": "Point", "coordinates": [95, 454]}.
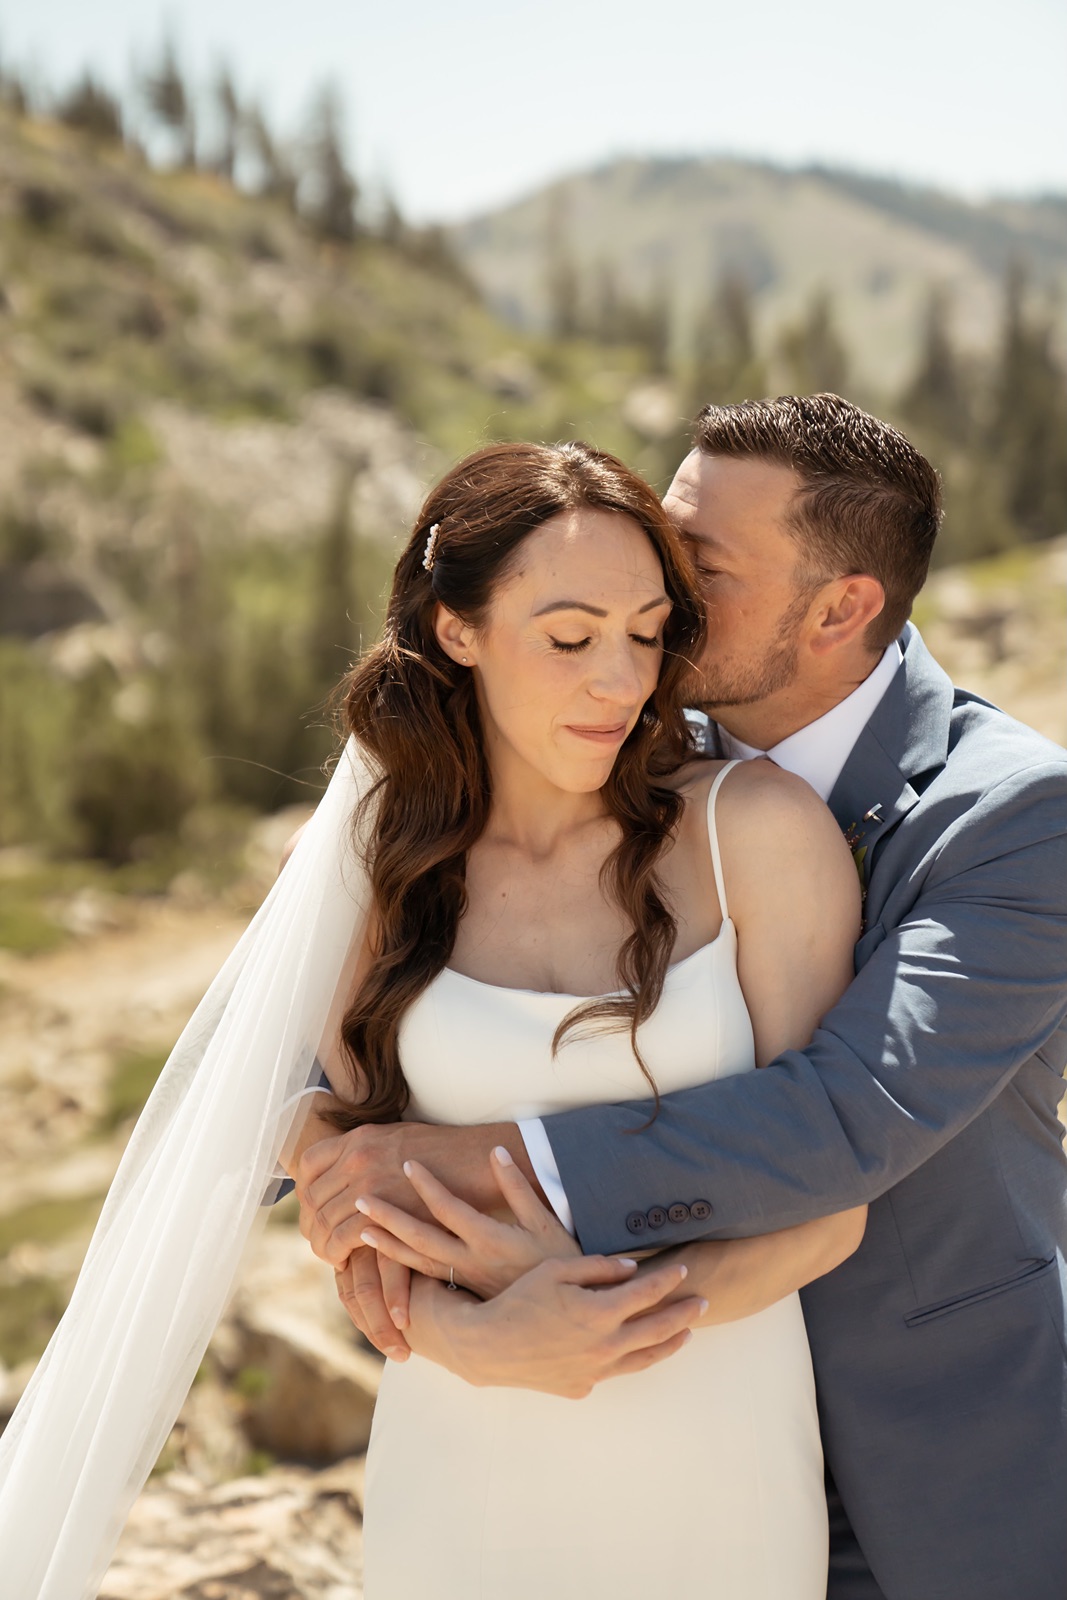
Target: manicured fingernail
{"type": "Point", "coordinates": [627, 1261]}
{"type": "Point", "coordinates": [703, 1307]}
{"type": "Point", "coordinates": [401, 1321]}
{"type": "Point", "coordinates": [687, 1335]}
{"type": "Point", "coordinates": [683, 1272]}
{"type": "Point", "coordinates": [503, 1156]}
{"type": "Point", "coordinates": [363, 1205]}
{"type": "Point", "coordinates": [407, 1169]}
{"type": "Point", "coordinates": [369, 1238]}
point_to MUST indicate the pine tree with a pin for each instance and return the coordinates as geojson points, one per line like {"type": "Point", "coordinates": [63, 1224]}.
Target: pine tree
{"type": "Point", "coordinates": [562, 280]}
{"type": "Point", "coordinates": [937, 397]}
{"type": "Point", "coordinates": [171, 103]}
{"type": "Point", "coordinates": [654, 322]}
{"type": "Point", "coordinates": [725, 365]}
{"type": "Point", "coordinates": [332, 190]}
{"type": "Point", "coordinates": [333, 638]}
{"type": "Point", "coordinates": [92, 109]}
{"type": "Point", "coordinates": [277, 172]}
{"type": "Point", "coordinates": [813, 350]}
{"type": "Point", "coordinates": [606, 311]}
{"type": "Point", "coordinates": [15, 93]}
{"type": "Point", "coordinates": [1028, 425]}
{"type": "Point", "coordinates": [231, 119]}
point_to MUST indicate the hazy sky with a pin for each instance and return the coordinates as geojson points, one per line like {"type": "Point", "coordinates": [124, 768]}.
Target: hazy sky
{"type": "Point", "coordinates": [461, 103]}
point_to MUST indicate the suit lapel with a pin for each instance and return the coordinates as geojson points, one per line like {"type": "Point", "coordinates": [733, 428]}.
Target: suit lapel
{"type": "Point", "coordinates": [905, 739]}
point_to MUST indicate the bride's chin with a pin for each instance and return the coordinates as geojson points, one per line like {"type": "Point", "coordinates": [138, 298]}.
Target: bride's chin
{"type": "Point", "coordinates": [586, 779]}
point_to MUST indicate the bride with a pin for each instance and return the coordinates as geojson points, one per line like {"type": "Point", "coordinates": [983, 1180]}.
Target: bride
{"type": "Point", "coordinates": [519, 893]}
{"type": "Point", "coordinates": [567, 908]}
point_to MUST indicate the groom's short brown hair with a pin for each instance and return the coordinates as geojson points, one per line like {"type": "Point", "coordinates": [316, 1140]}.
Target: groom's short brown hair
{"type": "Point", "coordinates": [867, 502]}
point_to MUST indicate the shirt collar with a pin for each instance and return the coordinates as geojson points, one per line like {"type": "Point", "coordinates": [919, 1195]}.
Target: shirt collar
{"type": "Point", "coordinates": [818, 752]}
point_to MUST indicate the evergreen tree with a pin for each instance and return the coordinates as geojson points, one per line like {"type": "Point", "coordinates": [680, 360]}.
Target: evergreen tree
{"type": "Point", "coordinates": [92, 109]}
{"type": "Point", "coordinates": [333, 638]}
{"type": "Point", "coordinates": [392, 227]}
{"type": "Point", "coordinates": [170, 102]}
{"type": "Point", "coordinates": [813, 351]}
{"type": "Point", "coordinates": [14, 92]}
{"type": "Point", "coordinates": [276, 171]}
{"type": "Point", "coordinates": [332, 191]}
{"type": "Point", "coordinates": [230, 114]}
{"type": "Point", "coordinates": [607, 311]}
{"type": "Point", "coordinates": [652, 326]}
{"type": "Point", "coordinates": [725, 365]}
{"type": "Point", "coordinates": [1028, 426]}
{"type": "Point", "coordinates": [562, 282]}
{"type": "Point", "coordinates": [937, 396]}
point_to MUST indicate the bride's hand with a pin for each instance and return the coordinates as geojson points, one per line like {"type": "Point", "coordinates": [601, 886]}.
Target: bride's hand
{"type": "Point", "coordinates": [480, 1252]}
{"type": "Point", "coordinates": [374, 1292]}
{"type": "Point", "coordinates": [561, 1329]}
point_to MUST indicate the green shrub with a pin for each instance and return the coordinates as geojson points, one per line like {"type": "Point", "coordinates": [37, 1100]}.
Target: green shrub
{"type": "Point", "coordinates": [132, 1080]}
{"type": "Point", "coordinates": [132, 779]}
{"type": "Point", "coordinates": [95, 406]}
{"type": "Point", "coordinates": [47, 1221]}
{"type": "Point", "coordinates": [29, 1315]}
{"type": "Point", "coordinates": [25, 925]}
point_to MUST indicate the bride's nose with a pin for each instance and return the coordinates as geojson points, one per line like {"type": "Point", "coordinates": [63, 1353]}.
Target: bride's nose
{"type": "Point", "coordinates": [615, 676]}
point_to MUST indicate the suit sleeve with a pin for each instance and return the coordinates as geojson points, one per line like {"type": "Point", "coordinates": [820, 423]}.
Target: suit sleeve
{"type": "Point", "coordinates": [952, 1002]}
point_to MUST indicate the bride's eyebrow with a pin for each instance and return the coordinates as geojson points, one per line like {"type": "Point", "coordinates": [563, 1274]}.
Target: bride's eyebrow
{"type": "Point", "coordinates": [595, 611]}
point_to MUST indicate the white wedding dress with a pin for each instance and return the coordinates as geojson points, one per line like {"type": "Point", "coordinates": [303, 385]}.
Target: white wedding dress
{"type": "Point", "coordinates": [698, 1479]}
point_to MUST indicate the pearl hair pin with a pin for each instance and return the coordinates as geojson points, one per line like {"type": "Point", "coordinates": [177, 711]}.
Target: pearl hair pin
{"type": "Point", "coordinates": [431, 547]}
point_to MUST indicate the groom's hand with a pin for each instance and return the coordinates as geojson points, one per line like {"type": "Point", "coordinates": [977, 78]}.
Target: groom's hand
{"type": "Point", "coordinates": [334, 1173]}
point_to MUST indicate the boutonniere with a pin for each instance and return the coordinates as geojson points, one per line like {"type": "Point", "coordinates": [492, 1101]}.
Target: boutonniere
{"type": "Point", "coordinates": [855, 834]}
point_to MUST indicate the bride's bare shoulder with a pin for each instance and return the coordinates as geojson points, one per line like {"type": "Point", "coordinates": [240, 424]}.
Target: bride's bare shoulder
{"type": "Point", "coordinates": [759, 782]}
{"type": "Point", "coordinates": [759, 801]}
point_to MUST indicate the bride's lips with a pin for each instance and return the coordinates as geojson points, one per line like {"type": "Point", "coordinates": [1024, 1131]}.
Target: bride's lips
{"type": "Point", "coordinates": [615, 734]}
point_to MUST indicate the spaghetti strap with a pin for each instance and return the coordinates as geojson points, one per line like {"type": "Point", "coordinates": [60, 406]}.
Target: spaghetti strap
{"type": "Point", "coordinates": [713, 839]}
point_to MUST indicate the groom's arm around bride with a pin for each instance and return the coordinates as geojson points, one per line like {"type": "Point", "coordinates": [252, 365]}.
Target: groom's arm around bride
{"type": "Point", "coordinates": [930, 1092]}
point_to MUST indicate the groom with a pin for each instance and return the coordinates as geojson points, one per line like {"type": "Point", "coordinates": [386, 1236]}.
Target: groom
{"type": "Point", "coordinates": [931, 1090]}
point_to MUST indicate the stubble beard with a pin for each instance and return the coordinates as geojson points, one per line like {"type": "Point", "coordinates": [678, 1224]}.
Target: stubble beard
{"type": "Point", "coordinates": [777, 669]}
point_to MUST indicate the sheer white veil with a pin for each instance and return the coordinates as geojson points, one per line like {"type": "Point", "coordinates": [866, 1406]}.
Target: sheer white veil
{"type": "Point", "coordinates": [163, 1259]}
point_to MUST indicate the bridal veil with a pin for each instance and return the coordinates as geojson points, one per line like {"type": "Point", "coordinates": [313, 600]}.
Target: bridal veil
{"type": "Point", "coordinates": [166, 1251]}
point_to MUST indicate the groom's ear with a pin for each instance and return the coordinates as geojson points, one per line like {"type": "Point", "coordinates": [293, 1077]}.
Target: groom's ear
{"type": "Point", "coordinates": [453, 635]}
{"type": "Point", "coordinates": [845, 609]}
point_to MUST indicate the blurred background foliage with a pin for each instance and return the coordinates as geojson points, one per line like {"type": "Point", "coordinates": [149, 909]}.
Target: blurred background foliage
{"type": "Point", "coordinates": [228, 374]}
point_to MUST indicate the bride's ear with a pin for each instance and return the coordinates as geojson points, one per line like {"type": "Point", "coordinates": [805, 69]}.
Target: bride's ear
{"type": "Point", "coordinates": [455, 636]}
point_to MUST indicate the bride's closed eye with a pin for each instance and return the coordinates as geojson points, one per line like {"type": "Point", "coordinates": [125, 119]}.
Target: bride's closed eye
{"type": "Point", "coordinates": [569, 647]}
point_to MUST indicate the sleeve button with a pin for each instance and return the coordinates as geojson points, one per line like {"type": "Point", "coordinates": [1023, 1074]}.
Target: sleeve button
{"type": "Point", "coordinates": [700, 1210]}
{"type": "Point", "coordinates": [637, 1222]}
{"type": "Point", "coordinates": [656, 1217]}
{"type": "Point", "coordinates": [678, 1212]}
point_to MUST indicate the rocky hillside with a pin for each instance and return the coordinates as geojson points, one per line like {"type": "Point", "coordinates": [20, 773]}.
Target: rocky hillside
{"type": "Point", "coordinates": [676, 227]}
{"type": "Point", "coordinates": [215, 424]}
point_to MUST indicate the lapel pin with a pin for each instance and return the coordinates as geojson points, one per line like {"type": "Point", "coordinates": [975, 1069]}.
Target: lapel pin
{"type": "Point", "coordinates": [871, 815]}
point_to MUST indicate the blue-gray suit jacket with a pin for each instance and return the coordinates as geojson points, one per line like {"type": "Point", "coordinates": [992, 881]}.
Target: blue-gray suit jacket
{"type": "Point", "coordinates": [931, 1092]}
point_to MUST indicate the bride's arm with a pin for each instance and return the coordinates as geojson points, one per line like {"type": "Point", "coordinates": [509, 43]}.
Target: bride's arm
{"type": "Point", "coordinates": [794, 898]}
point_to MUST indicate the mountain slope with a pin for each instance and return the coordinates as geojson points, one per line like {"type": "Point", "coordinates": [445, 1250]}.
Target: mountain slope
{"type": "Point", "coordinates": [681, 225]}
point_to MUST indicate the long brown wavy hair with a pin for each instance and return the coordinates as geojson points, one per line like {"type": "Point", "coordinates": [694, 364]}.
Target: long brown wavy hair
{"type": "Point", "coordinates": [415, 711]}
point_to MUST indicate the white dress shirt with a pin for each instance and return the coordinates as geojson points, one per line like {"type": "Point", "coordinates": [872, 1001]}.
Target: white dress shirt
{"type": "Point", "coordinates": [817, 754]}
